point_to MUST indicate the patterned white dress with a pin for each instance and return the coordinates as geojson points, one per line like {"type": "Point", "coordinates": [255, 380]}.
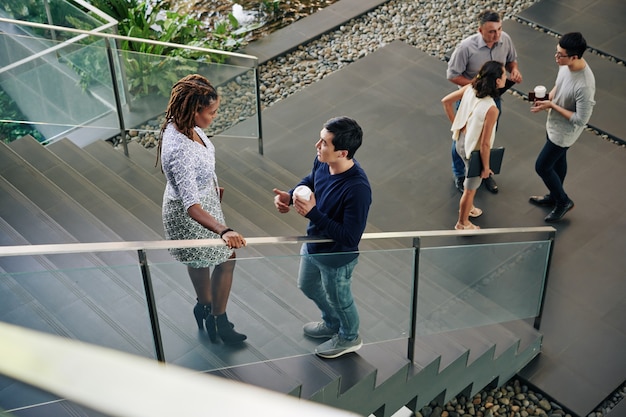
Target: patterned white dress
{"type": "Point", "coordinates": [189, 169]}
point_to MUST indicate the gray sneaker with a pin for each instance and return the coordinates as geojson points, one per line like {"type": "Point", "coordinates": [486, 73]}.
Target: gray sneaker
{"type": "Point", "coordinates": [318, 330]}
{"type": "Point", "coordinates": [338, 346]}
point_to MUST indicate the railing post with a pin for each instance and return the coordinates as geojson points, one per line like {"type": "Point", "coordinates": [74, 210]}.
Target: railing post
{"type": "Point", "coordinates": [53, 34]}
{"type": "Point", "coordinates": [537, 323]}
{"type": "Point", "coordinates": [118, 99]}
{"type": "Point", "coordinates": [258, 106]}
{"type": "Point", "coordinates": [154, 318]}
{"type": "Point", "coordinates": [413, 331]}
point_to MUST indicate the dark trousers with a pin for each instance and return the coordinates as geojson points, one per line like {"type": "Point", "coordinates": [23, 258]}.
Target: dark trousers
{"type": "Point", "coordinates": [551, 165]}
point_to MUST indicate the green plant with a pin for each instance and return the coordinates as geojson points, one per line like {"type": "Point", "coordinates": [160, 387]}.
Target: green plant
{"type": "Point", "coordinates": [148, 74]}
{"type": "Point", "coordinates": [10, 131]}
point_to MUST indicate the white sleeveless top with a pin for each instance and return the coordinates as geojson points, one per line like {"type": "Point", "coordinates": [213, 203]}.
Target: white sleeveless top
{"type": "Point", "coordinates": [471, 115]}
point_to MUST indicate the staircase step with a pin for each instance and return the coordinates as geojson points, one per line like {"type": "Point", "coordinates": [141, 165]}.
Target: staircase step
{"type": "Point", "coordinates": [127, 226]}
{"type": "Point", "coordinates": [110, 183]}
{"type": "Point", "coordinates": [388, 362]}
{"type": "Point", "coordinates": [146, 158]}
{"type": "Point", "coordinates": [123, 166]}
{"type": "Point", "coordinates": [358, 377]}
{"type": "Point", "coordinates": [52, 200]}
{"type": "Point", "coordinates": [313, 374]}
{"type": "Point", "coordinates": [265, 375]}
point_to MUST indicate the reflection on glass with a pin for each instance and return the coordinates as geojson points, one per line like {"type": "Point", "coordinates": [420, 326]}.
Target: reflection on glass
{"type": "Point", "coordinates": [76, 296]}
{"type": "Point", "coordinates": [470, 286]}
{"type": "Point", "coordinates": [266, 304]}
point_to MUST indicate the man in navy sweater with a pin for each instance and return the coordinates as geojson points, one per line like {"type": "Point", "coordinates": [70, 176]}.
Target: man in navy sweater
{"type": "Point", "coordinates": [337, 209]}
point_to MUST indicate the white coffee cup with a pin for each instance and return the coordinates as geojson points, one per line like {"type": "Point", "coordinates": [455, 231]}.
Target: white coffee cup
{"type": "Point", "coordinates": [302, 192]}
{"type": "Point", "coordinates": [540, 92]}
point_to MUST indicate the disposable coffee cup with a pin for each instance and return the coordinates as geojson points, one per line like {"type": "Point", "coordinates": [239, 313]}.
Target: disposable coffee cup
{"type": "Point", "coordinates": [302, 192]}
{"type": "Point", "coordinates": [540, 92]}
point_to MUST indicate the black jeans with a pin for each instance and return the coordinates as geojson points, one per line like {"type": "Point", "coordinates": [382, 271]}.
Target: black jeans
{"type": "Point", "coordinates": [551, 165]}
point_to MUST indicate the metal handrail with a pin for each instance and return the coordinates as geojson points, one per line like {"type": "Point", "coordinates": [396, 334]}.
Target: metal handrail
{"type": "Point", "coordinates": [64, 248]}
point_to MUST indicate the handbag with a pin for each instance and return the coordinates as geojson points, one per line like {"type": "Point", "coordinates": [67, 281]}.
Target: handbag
{"type": "Point", "coordinates": [476, 164]}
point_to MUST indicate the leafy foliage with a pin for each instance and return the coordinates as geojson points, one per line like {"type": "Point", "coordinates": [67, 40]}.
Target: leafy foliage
{"type": "Point", "coordinates": [12, 131]}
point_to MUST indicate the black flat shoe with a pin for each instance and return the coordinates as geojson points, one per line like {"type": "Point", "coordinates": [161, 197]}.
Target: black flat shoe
{"type": "Point", "coordinates": [545, 200]}
{"type": "Point", "coordinates": [559, 211]}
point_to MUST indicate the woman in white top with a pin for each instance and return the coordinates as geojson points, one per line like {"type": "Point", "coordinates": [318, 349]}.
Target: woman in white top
{"type": "Point", "coordinates": [191, 202]}
{"type": "Point", "coordinates": [474, 128]}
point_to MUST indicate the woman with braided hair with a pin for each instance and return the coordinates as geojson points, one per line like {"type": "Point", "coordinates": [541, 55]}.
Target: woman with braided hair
{"type": "Point", "coordinates": [474, 128]}
{"type": "Point", "coordinates": [191, 202]}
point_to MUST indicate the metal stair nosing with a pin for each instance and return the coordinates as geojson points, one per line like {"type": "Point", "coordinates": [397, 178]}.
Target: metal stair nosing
{"type": "Point", "coordinates": [123, 166]}
{"type": "Point", "coordinates": [122, 222]}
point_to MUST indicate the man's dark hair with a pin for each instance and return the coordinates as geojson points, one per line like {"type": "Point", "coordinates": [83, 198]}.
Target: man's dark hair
{"type": "Point", "coordinates": [488, 16]}
{"type": "Point", "coordinates": [347, 134]}
{"type": "Point", "coordinates": [574, 44]}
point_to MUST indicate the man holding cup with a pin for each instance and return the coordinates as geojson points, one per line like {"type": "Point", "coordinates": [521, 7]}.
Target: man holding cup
{"type": "Point", "coordinates": [569, 106]}
{"type": "Point", "coordinates": [489, 44]}
{"type": "Point", "coordinates": [337, 208]}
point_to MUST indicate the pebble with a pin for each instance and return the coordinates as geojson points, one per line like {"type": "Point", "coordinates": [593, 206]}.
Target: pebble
{"type": "Point", "coordinates": [514, 399]}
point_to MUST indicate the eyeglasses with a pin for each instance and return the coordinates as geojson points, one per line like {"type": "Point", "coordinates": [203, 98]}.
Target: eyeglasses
{"type": "Point", "coordinates": [559, 55]}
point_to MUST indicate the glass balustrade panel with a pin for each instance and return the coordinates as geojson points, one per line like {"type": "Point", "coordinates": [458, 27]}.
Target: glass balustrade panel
{"type": "Point", "coordinates": [476, 285]}
{"type": "Point", "coordinates": [68, 90]}
{"type": "Point", "coordinates": [266, 304]}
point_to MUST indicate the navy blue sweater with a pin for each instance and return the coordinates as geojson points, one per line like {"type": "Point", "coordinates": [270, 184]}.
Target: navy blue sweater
{"type": "Point", "coordinates": [342, 204]}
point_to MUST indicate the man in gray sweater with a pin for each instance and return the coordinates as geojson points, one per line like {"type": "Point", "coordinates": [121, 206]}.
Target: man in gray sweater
{"type": "Point", "coordinates": [569, 106]}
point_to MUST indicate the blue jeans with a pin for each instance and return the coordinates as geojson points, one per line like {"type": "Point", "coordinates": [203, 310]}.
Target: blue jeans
{"type": "Point", "coordinates": [551, 165]}
{"type": "Point", "coordinates": [458, 166]}
{"type": "Point", "coordinates": [330, 289]}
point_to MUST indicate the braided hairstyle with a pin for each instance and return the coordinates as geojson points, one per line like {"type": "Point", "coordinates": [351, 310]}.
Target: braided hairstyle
{"type": "Point", "coordinates": [485, 82]}
{"type": "Point", "coordinates": [190, 95]}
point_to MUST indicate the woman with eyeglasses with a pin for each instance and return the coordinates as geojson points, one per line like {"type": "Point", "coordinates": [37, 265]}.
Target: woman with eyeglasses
{"type": "Point", "coordinates": [569, 106]}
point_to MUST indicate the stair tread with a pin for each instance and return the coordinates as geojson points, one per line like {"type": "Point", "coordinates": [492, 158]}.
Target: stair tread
{"type": "Point", "coordinates": [263, 375]}
{"type": "Point", "coordinates": [53, 201]}
{"type": "Point", "coordinates": [83, 192]}
{"type": "Point", "coordinates": [110, 183]}
{"type": "Point", "coordinates": [132, 173]}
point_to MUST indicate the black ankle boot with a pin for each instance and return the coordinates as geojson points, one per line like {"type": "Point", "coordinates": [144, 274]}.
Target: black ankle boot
{"type": "Point", "coordinates": [226, 330]}
{"type": "Point", "coordinates": [201, 312]}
